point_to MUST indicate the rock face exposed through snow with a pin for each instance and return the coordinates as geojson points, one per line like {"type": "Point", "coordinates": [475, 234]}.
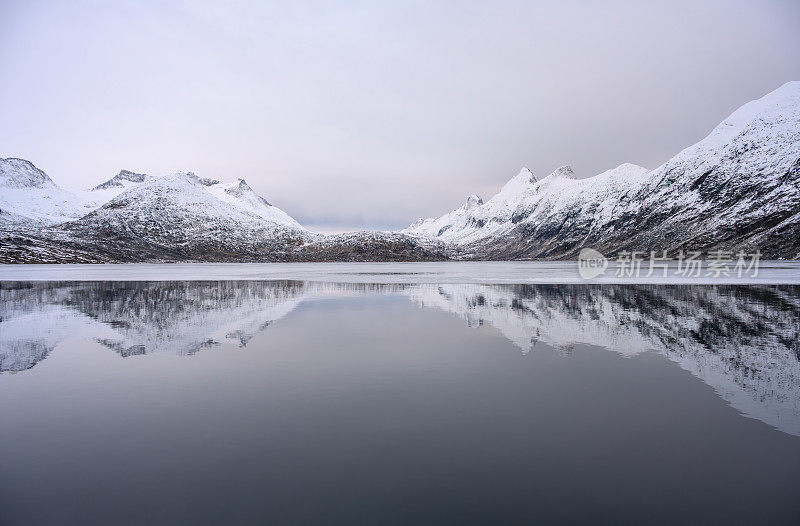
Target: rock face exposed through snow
{"type": "Point", "coordinates": [739, 188]}
{"type": "Point", "coordinates": [96, 197]}
{"type": "Point", "coordinates": [122, 180]}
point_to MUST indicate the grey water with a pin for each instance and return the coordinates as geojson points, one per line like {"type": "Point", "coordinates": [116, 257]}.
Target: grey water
{"type": "Point", "coordinates": [300, 402]}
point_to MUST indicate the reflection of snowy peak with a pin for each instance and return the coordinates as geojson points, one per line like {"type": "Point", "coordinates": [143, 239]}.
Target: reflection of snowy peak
{"type": "Point", "coordinates": [33, 320]}
{"type": "Point", "coordinates": [137, 318]}
{"type": "Point", "coordinates": [531, 315]}
{"type": "Point", "coordinates": [183, 317]}
{"type": "Point", "coordinates": [134, 318]}
{"type": "Point", "coordinates": [742, 341]}
{"type": "Point", "coordinates": [739, 188]}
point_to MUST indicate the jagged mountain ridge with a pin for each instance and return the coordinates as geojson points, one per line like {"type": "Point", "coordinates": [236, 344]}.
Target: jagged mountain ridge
{"type": "Point", "coordinates": [121, 180]}
{"type": "Point", "coordinates": [476, 221]}
{"type": "Point", "coordinates": [105, 192]}
{"type": "Point", "coordinates": [179, 212]}
{"type": "Point", "coordinates": [23, 175]}
{"type": "Point", "coordinates": [739, 188]}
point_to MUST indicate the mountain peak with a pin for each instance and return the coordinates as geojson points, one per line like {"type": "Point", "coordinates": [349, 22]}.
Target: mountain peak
{"type": "Point", "coordinates": [127, 175]}
{"type": "Point", "coordinates": [525, 173]}
{"type": "Point", "coordinates": [20, 173]}
{"type": "Point", "coordinates": [778, 108]}
{"type": "Point", "coordinates": [473, 201]}
{"type": "Point", "coordinates": [120, 179]}
{"type": "Point", "coordinates": [241, 189]}
{"type": "Point", "coordinates": [28, 195]}
{"type": "Point", "coordinates": [242, 185]}
{"type": "Point", "coordinates": [565, 172]}
{"type": "Point", "coordinates": [627, 167]}
{"type": "Point", "coordinates": [519, 182]}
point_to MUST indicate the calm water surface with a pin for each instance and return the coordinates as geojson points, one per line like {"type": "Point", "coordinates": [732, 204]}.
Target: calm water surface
{"type": "Point", "coordinates": [327, 403]}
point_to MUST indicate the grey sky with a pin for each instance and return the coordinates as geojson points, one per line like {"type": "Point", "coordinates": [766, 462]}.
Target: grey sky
{"type": "Point", "coordinates": [372, 114]}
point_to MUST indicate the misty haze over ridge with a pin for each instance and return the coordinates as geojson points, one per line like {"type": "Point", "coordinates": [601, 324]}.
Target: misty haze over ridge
{"type": "Point", "coordinates": [369, 117]}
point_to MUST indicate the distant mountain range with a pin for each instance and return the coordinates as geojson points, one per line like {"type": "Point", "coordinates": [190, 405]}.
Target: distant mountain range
{"type": "Point", "coordinates": [179, 217]}
{"type": "Point", "coordinates": [737, 189]}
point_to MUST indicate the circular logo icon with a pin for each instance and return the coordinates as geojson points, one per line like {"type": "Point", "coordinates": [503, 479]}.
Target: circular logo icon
{"type": "Point", "coordinates": [591, 263]}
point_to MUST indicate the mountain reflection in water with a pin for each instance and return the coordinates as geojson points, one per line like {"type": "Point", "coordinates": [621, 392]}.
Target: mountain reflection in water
{"type": "Point", "coordinates": [743, 341]}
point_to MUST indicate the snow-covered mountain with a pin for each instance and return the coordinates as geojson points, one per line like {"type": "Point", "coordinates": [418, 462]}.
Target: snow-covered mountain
{"type": "Point", "coordinates": [499, 216]}
{"type": "Point", "coordinates": [30, 194]}
{"type": "Point", "coordinates": [29, 197]}
{"type": "Point", "coordinates": [182, 199]}
{"type": "Point", "coordinates": [181, 216]}
{"type": "Point", "coordinates": [739, 188]}
{"type": "Point", "coordinates": [177, 217]}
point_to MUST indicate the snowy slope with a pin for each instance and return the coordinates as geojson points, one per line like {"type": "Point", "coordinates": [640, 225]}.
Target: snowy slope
{"type": "Point", "coordinates": [182, 196]}
{"type": "Point", "coordinates": [739, 188]}
{"type": "Point", "coordinates": [29, 196]}
{"type": "Point", "coordinates": [136, 217]}
{"type": "Point", "coordinates": [181, 217]}
{"type": "Point", "coordinates": [458, 218]}
{"type": "Point", "coordinates": [240, 195]}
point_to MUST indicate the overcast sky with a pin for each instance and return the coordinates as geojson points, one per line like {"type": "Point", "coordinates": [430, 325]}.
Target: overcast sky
{"type": "Point", "coordinates": [369, 115]}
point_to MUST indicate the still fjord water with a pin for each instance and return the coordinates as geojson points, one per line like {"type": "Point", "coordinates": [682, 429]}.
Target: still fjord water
{"type": "Point", "coordinates": [301, 402]}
